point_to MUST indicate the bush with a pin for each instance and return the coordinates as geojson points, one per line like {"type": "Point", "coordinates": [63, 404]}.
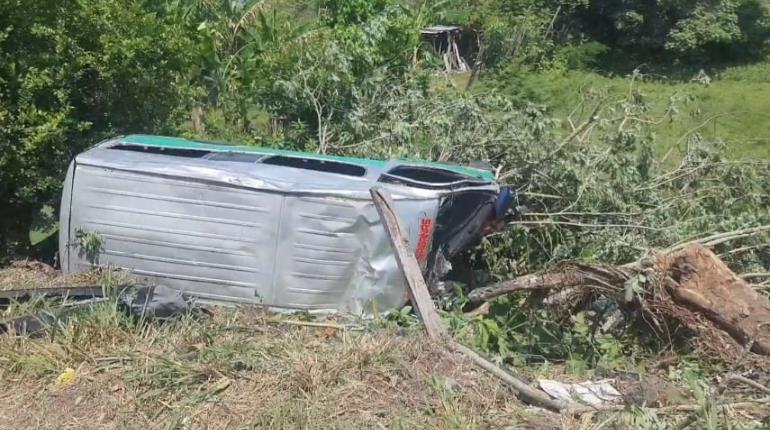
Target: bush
{"type": "Point", "coordinates": [72, 73]}
{"type": "Point", "coordinates": [584, 56]}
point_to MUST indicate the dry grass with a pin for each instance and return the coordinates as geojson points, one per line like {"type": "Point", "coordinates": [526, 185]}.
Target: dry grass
{"type": "Point", "coordinates": [233, 369]}
{"type": "Point", "coordinates": [33, 274]}
{"type": "Point", "coordinates": [244, 368]}
{"type": "Point", "coordinates": [236, 369]}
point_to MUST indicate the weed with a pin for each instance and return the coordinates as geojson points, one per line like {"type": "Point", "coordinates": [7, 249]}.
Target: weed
{"type": "Point", "coordinates": [90, 245]}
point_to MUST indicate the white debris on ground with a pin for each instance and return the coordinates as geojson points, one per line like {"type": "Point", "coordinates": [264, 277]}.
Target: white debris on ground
{"type": "Point", "coordinates": [593, 393]}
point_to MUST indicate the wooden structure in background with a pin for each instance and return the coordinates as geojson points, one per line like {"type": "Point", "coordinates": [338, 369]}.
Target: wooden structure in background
{"type": "Point", "coordinates": [443, 39]}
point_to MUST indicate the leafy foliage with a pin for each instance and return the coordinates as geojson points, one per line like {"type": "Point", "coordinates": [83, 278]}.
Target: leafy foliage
{"type": "Point", "coordinates": [90, 245]}
{"type": "Point", "coordinates": [71, 73]}
{"type": "Point", "coordinates": [595, 195]}
{"type": "Point", "coordinates": [533, 31]}
{"type": "Point", "coordinates": [717, 29]}
{"type": "Point", "coordinates": [353, 81]}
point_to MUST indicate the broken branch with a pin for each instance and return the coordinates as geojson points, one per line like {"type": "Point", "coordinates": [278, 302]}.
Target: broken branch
{"type": "Point", "coordinates": [524, 391]}
{"type": "Point", "coordinates": [418, 290]}
{"type": "Point", "coordinates": [749, 382]}
{"type": "Point", "coordinates": [695, 280]}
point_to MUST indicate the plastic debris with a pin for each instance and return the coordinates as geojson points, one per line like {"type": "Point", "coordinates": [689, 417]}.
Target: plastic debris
{"type": "Point", "coordinates": [67, 377]}
{"type": "Point", "coordinates": [589, 392]}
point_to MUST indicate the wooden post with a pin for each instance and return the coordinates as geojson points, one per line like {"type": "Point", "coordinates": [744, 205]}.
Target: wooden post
{"type": "Point", "coordinates": [418, 292]}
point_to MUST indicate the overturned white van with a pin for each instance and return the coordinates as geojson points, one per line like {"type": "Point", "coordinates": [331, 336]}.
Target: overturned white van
{"type": "Point", "coordinates": [253, 225]}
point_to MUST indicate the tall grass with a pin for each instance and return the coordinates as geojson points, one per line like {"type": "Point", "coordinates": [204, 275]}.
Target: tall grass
{"type": "Point", "coordinates": [734, 108]}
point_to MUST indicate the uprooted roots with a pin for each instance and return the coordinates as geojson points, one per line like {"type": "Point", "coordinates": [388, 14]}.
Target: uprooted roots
{"type": "Point", "coordinates": [688, 293]}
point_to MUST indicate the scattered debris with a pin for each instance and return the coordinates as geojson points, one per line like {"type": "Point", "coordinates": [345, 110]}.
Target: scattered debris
{"type": "Point", "coordinates": [590, 393]}
{"type": "Point", "coordinates": [72, 294]}
{"type": "Point", "coordinates": [144, 302]}
{"type": "Point", "coordinates": [155, 302]}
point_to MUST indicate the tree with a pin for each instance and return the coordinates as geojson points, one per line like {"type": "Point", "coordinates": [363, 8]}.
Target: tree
{"type": "Point", "coordinates": [683, 28]}
{"type": "Point", "coordinates": [317, 79]}
{"type": "Point", "coordinates": [71, 73]}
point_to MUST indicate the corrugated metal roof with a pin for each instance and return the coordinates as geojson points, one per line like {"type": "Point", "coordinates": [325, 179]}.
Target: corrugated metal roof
{"type": "Point", "coordinates": [436, 29]}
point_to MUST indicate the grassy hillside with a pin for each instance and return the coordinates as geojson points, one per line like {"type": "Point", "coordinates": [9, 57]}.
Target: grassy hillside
{"type": "Point", "coordinates": [733, 108]}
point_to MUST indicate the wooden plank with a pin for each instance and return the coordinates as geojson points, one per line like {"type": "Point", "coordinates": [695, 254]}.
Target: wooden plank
{"type": "Point", "coordinates": [418, 290]}
{"type": "Point", "coordinates": [418, 293]}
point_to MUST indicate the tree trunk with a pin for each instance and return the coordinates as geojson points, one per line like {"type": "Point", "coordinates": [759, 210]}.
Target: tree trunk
{"type": "Point", "coordinates": [698, 280]}
{"type": "Point", "coordinates": [694, 277]}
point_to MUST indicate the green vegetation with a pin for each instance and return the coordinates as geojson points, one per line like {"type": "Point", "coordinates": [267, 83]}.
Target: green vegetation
{"type": "Point", "coordinates": [731, 107]}
{"type": "Point", "coordinates": [322, 76]}
{"type": "Point", "coordinates": [213, 370]}
{"type": "Point", "coordinates": [595, 111]}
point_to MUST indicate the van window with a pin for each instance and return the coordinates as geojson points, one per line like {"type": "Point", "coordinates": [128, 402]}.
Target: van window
{"type": "Point", "coordinates": [176, 152]}
{"type": "Point", "coordinates": [429, 175]}
{"type": "Point", "coordinates": [429, 178]}
{"type": "Point", "coordinates": [318, 165]}
{"type": "Point", "coordinates": [238, 157]}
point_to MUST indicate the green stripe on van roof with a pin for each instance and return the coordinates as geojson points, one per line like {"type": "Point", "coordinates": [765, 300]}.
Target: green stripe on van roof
{"type": "Point", "coordinates": [181, 143]}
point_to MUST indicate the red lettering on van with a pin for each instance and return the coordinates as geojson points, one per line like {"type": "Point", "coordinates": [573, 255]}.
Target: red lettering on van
{"type": "Point", "coordinates": [426, 230]}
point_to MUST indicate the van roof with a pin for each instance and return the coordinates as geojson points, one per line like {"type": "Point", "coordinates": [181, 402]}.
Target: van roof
{"type": "Point", "coordinates": [181, 143]}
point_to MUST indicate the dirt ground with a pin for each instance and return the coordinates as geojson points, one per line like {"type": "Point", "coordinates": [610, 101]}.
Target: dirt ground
{"type": "Point", "coordinates": [245, 368]}
{"type": "Point", "coordinates": [33, 274]}
{"type": "Point", "coordinates": [254, 374]}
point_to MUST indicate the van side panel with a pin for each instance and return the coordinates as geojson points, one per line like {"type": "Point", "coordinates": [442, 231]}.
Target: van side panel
{"type": "Point", "coordinates": [207, 239]}
{"type": "Point", "coordinates": [242, 244]}
{"type": "Point", "coordinates": [334, 253]}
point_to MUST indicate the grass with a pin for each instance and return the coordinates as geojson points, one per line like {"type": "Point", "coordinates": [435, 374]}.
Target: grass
{"type": "Point", "coordinates": [238, 368]}
{"type": "Point", "coordinates": [734, 108]}
{"type": "Point", "coordinates": [246, 368]}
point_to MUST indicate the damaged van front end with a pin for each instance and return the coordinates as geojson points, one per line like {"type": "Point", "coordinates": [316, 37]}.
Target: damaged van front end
{"type": "Point", "coordinates": [286, 229]}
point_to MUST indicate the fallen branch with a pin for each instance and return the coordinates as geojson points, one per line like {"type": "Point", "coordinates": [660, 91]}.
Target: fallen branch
{"type": "Point", "coordinates": [719, 238]}
{"type": "Point", "coordinates": [535, 282]}
{"type": "Point", "coordinates": [436, 329]}
{"type": "Point", "coordinates": [586, 225]}
{"type": "Point", "coordinates": [749, 382]}
{"type": "Point", "coordinates": [524, 391]}
{"type": "Point", "coordinates": [481, 310]}
{"type": "Point", "coordinates": [695, 281]}
{"type": "Point", "coordinates": [592, 117]}
{"type": "Point", "coordinates": [418, 290]}
{"type": "Point", "coordinates": [569, 276]}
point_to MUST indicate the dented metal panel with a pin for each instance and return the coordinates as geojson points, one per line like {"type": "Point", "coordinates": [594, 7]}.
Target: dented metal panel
{"type": "Point", "coordinates": [205, 238]}
{"type": "Point", "coordinates": [239, 232]}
